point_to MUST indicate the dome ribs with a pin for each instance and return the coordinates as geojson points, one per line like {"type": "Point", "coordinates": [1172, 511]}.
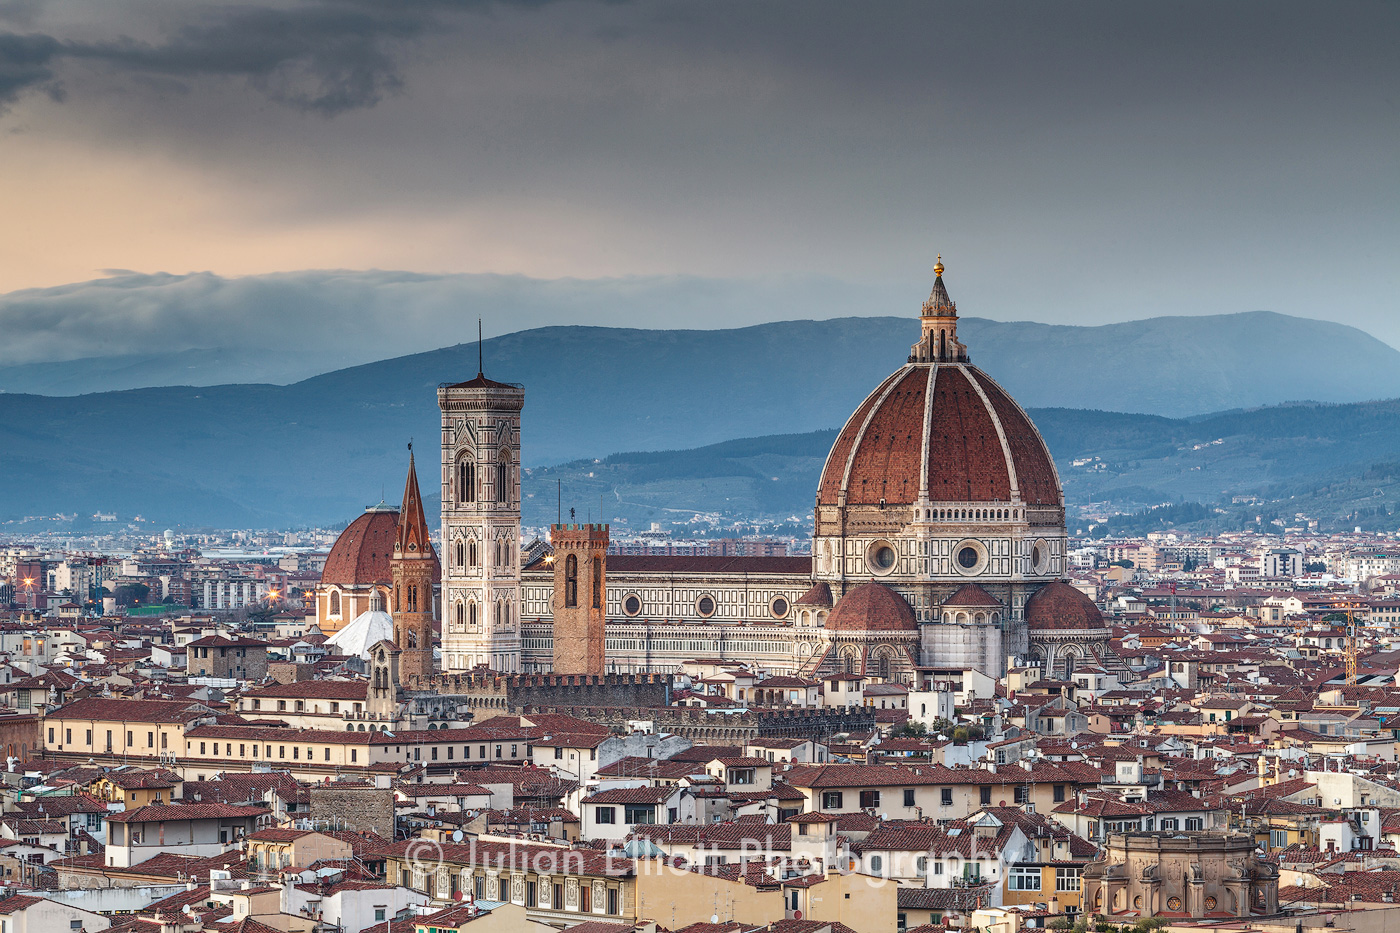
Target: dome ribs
{"type": "Point", "coordinates": [889, 453]}
{"type": "Point", "coordinates": [1035, 471]}
{"type": "Point", "coordinates": [361, 553]}
{"type": "Point", "coordinates": [835, 471]}
{"type": "Point", "coordinates": [965, 458]}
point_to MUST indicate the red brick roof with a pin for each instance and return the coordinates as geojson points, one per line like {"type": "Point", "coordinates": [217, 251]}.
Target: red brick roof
{"type": "Point", "coordinates": [632, 563]}
{"type": "Point", "coordinates": [312, 690]}
{"type": "Point", "coordinates": [155, 812]}
{"type": "Point", "coordinates": [880, 453]}
{"type": "Point", "coordinates": [971, 596]}
{"type": "Point", "coordinates": [872, 607]}
{"type": "Point", "coordinates": [361, 553]}
{"type": "Point", "coordinates": [1058, 605]}
{"type": "Point", "coordinates": [100, 708]}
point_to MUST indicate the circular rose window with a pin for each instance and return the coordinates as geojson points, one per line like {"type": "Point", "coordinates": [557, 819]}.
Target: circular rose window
{"type": "Point", "coordinates": [1137, 902]}
{"type": "Point", "coordinates": [881, 557]}
{"type": "Point", "coordinates": [779, 608]}
{"type": "Point", "coordinates": [632, 604]}
{"type": "Point", "coordinates": [706, 606]}
{"type": "Point", "coordinates": [967, 558]}
{"type": "Point", "coordinates": [1210, 903]}
{"type": "Point", "coordinates": [1173, 903]}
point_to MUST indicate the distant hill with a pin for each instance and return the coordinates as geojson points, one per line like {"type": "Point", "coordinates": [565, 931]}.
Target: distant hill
{"type": "Point", "coordinates": [1176, 366]}
{"type": "Point", "coordinates": [320, 449]}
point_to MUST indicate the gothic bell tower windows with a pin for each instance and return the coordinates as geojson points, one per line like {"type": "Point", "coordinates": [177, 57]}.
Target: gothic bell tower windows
{"type": "Point", "coordinates": [481, 516]}
{"type": "Point", "coordinates": [466, 479]}
{"type": "Point", "coordinates": [571, 581]}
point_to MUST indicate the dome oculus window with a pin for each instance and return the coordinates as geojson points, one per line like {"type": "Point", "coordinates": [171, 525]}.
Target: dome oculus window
{"type": "Point", "coordinates": [778, 608]}
{"type": "Point", "coordinates": [1040, 557]}
{"type": "Point", "coordinates": [705, 605]}
{"type": "Point", "coordinates": [881, 557]}
{"type": "Point", "coordinates": [969, 558]}
{"type": "Point", "coordinates": [632, 604]}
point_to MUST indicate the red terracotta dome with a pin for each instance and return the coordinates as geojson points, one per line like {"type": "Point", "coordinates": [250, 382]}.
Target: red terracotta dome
{"type": "Point", "coordinates": [971, 596]}
{"type": "Point", "coordinates": [872, 607]}
{"type": "Point", "coordinates": [1060, 606]}
{"type": "Point", "coordinates": [361, 554]}
{"type": "Point", "coordinates": [819, 595]}
{"type": "Point", "coordinates": [971, 443]}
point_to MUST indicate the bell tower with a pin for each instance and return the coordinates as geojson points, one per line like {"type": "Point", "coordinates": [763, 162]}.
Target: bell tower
{"type": "Point", "coordinates": [481, 524]}
{"type": "Point", "coordinates": [580, 597]}
{"type": "Point", "coordinates": [413, 569]}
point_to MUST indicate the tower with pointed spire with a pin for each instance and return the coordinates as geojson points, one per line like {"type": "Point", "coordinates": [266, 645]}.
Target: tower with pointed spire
{"type": "Point", "coordinates": [481, 523]}
{"type": "Point", "coordinates": [414, 569]}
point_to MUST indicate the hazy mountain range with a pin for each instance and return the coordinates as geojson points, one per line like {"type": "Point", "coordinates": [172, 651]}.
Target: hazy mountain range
{"type": "Point", "coordinates": [320, 449]}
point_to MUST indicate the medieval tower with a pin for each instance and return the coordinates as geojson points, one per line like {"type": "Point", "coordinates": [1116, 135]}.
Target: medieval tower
{"type": "Point", "coordinates": [481, 524]}
{"type": "Point", "coordinates": [580, 597]}
{"type": "Point", "coordinates": [413, 570]}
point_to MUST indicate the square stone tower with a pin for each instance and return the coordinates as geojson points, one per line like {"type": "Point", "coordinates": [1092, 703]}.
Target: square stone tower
{"type": "Point", "coordinates": [580, 597]}
{"type": "Point", "coordinates": [481, 524]}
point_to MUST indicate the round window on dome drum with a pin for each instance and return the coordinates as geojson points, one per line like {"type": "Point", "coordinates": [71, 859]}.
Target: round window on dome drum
{"type": "Point", "coordinates": [881, 557]}
{"type": "Point", "coordinates": [632, 604]}
{"type": "Point", "coordinates": [706, 606]}
{"type": "Point", "coordinates": [779, 608]}
{"type": "Point", "coordinates": [968, 557]}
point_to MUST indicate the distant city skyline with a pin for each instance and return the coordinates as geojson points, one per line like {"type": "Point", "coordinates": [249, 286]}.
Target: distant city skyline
{"type": "Point", "coordinates": [1075, 164]}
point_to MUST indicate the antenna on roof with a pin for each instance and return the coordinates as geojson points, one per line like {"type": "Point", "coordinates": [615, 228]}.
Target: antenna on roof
{"type": "Point", "coordinates": [480, 368]}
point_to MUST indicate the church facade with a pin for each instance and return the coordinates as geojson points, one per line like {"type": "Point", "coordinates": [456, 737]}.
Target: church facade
{"type": "Point", "coordinates": [939, 544]}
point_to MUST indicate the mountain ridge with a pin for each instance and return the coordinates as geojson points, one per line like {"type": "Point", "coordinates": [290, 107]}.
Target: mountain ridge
{"type": "Point", "coordinates": [316, 450]}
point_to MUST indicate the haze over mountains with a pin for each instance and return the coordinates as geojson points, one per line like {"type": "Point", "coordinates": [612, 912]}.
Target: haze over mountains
{"type": "Point", "coordinates": [321, 449]}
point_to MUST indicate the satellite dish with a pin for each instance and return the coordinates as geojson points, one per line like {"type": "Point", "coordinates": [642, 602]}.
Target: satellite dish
{"type": "Point", "coordinates": [714, 918]}
{"type": "Point", "coordinates": [456, 835]}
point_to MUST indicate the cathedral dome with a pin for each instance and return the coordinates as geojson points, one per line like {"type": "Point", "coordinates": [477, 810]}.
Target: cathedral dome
{"type": "Point", "coordinates": [361, 554]}
{"type": "Point", "coordinates": [1060, 606]}
{"type": "Point", "coordinates": [940, 433]}
{"type": "Point", "coordinates": [872, 607]}
{"type": "Point", "coordinates": [939, 430]}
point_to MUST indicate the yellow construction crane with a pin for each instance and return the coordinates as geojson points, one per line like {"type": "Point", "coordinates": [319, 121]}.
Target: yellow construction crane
{"type": "Point", "coordinates": [1351, 644]}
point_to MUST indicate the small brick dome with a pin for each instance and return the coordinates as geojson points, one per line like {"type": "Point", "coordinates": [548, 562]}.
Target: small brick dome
{"type": "Point", "coordinates": [361, 554]}
{"type": "Point", "coordinates": [819, 595]}
{"type": "Point", "coordinates": [872, 607]}
{"type": "Point", "coordinates": [971, 596]}
{"type": "Point", "coordinates": [1060, 606]}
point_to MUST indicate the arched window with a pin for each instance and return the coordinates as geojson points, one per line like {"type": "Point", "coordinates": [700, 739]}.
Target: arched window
{"type": "Point", "coordinates": [597, 583]}
{"type": "Point", "coordinates": [412, 598]}
{"type": "Point", "coordinates": [466, 481]}
{"type": "Point", "coordinates": [571, 581]}
{"type": "Point", "coordinates": [471, 614]}
{"type": "Point", "coordinates": [471, 553]}
{"type": "Point", "coordinates": [885, 666]}
{"type": "Point", "coordinates": [412, 638]}
{"type": "Point", "coordinates": [461, 616]}
{"type": "Point", "coordinates": [503, 476]}
{"type": "Point", "coordinates": [877, 864]}
{"type": "Point", "coordinates": [461, 553]}
{"type": "Point", "coordinates": [850, 661]}
{"type": "Point", "coordinates": [335, 602]}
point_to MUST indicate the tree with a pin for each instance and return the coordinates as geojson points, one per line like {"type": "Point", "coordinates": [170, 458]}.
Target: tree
{"type": "Point", "coordinates": [912, 728]}
{"type": "Point", "coordinates": [131, 594]}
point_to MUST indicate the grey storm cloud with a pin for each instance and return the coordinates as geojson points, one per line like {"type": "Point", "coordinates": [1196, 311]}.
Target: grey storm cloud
{"type": "Point", "coordinates": [333, 318]}
{"type": "Point", "coordinates": [326, 57]}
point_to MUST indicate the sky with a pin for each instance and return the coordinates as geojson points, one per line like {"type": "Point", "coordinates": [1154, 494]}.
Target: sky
{"type": "Point", "coordinates": [1073, 162]}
